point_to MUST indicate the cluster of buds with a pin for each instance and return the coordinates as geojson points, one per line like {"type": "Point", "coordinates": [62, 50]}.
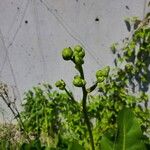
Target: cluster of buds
{"type": "Point", "coordinates": [78, 81]}
{"type": "Point", "coordinates": [75, 55]}
{"type": "Point", "coordinates": [60, 84]}
{"type": "Point", "coordinates": [101, 75]}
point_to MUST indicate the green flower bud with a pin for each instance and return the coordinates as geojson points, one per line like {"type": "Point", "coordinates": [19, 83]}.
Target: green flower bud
{"type": "Point", "coordinates": [99, 73]}
{"type": "Point", "coordinates": [67, 53]}
{"type": "Point", "coordinates": [78, 60]}
{"type": "Point", "coordinates": [103, 72]}
{"type": "Point", "coordinates": [60, 84]}
{"type": "Point", "coordinates": [82, 54]}
{"type": "Point", "coordinates": [107, 70]}
{"type": "Point", "coordinates": [78, 48]}
{"type": "Point", "coordinates": [75, 53]}
{"type": "Point", "coordinates": [78, 51]}
{"type": "Point", "coordinates": [78, 81]}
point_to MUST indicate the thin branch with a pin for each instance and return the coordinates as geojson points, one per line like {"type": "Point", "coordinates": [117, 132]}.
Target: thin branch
{"type": "Point", "coordinates": [72, 98]}
{"type": "Point", "coordinates": [92, 88]}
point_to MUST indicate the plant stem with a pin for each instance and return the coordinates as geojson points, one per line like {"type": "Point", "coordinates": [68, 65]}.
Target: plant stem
{"type": "Point", "coordinates": [85, 113]}
{"type": "Point", "coordinates": [72, 98]}
{"type": "Point", "coordinates": [92, 88]}
{"type": "Point", "coordinates": [16, 114]}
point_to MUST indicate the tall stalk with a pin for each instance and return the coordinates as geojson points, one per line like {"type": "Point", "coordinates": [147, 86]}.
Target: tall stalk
{"type": "Point", "coordinates": [85, 113]}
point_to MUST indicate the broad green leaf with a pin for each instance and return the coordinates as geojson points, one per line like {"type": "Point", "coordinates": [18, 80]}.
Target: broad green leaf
{"type": "Point", "coordinates": [129, 135]}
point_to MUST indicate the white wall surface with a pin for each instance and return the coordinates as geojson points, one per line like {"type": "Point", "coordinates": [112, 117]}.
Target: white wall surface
{"type": "Point", "coordinates": [33, 33]}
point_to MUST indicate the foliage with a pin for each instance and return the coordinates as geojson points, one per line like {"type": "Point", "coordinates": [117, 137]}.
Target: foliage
{"type": "Point", "coordinates": [128, 135]}
{"type": "Point", "coordinates": [48, 113]}
{"type": "Point", "coordinates": [135, 54]}
{"type": "Point", "coordinates": [133, 64]}
{"type": "Point", "coordinates": [56, 120]}
{"type": "Point", "coordinates": [125, 85]}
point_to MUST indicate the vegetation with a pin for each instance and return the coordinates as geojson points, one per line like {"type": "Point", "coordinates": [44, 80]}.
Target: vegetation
{"type": "Point", "coordinates": [115, 118]}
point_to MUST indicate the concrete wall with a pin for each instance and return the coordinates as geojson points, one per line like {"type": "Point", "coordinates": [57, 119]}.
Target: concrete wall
{"type": "Point", "coordinates": [33, 33]}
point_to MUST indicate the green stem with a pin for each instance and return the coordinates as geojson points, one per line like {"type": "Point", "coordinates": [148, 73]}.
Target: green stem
{"type": "Point", "coordinates": [68, 93]}
{"type": "Point", "coordinates": [85, 113]}
{"type": "Point", "coordinates": [92, 88]}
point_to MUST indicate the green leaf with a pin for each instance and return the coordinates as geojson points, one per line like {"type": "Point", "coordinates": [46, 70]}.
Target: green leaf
{"type": "Point", "coordinates": [129, 135]}
{"type": "Point", "coordinates": [106, 144]}
{"type": "Point", "coordinates": [75, 146]}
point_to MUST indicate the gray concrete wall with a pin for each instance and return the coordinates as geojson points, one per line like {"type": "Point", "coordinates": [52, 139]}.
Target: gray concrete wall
{"type": "Point", "coordinates": [33, 33]}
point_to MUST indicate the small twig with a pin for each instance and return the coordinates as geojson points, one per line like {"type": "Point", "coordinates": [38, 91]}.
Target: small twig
{"type": "Point", "coordinates": [72, 98]}
{"type": "Point", "coordinates": [92, 88]}
{"type": "Point", "coordinates": [14, 111]}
